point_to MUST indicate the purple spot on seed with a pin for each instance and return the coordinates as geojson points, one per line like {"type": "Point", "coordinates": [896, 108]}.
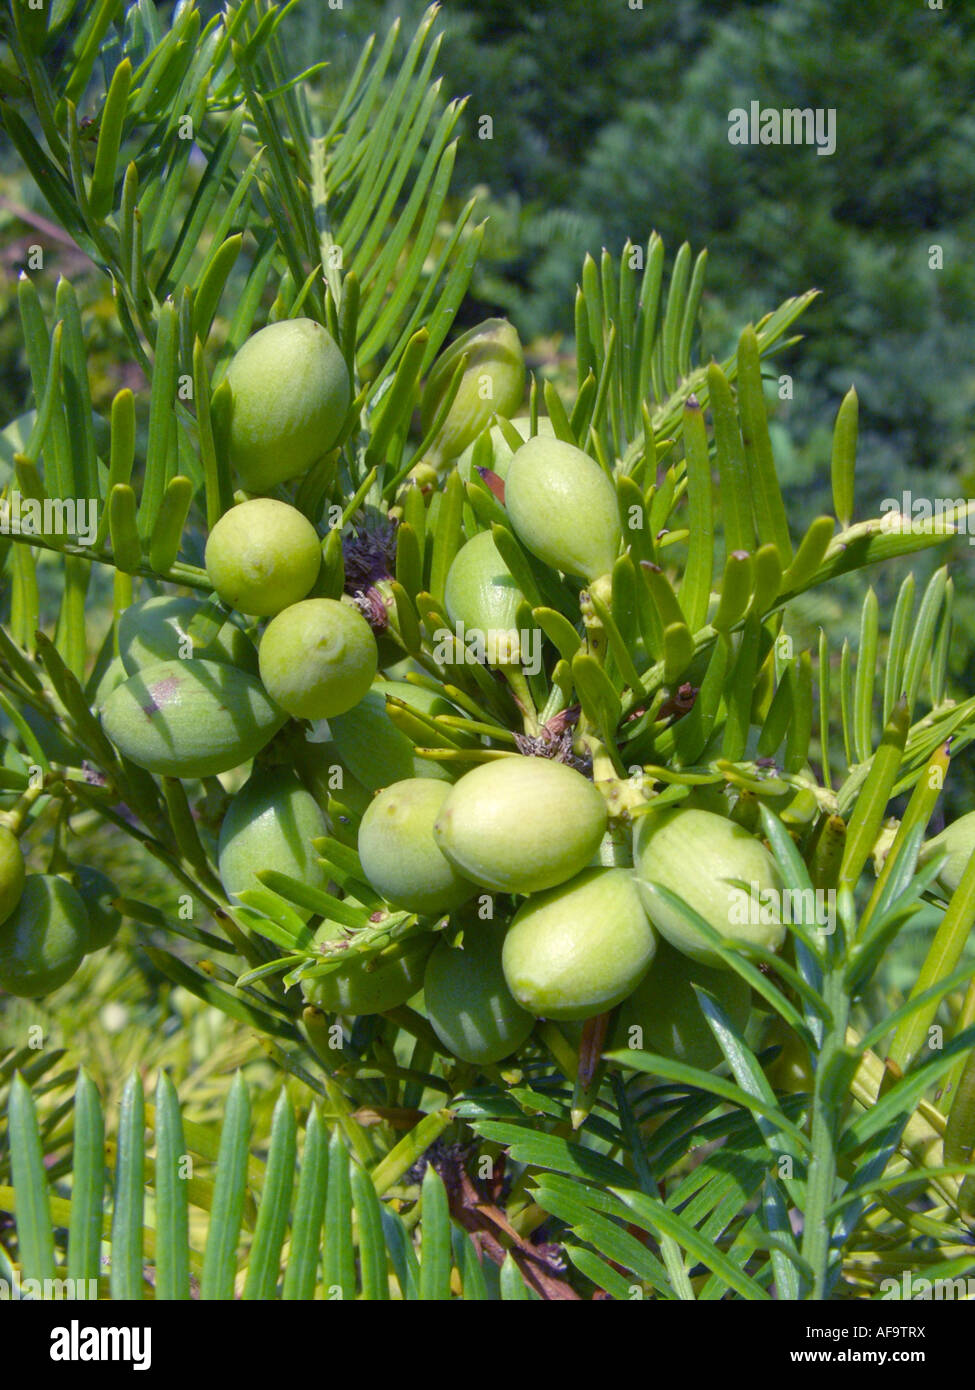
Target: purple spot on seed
{"type": "Point", "coordinates": [162, 693]}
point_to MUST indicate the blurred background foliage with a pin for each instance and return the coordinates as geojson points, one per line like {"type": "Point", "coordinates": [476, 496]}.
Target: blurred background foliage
{"type": "Point", "coordinates": [610, 121]}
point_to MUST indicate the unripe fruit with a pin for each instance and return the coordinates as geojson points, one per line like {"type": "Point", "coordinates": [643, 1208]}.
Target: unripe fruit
{"type": "Point", "coordinates": [270, 824]}
{"type": "Point", "coordinates": [44, 939]}
{"type": "Point", "coordinates": [519, 824]}
{"type": "Point", "coordinates": [493, 384]}
{"type": "Point", "coordinates": [157, 629]}
{"type": "Point", "coordinates": [318, 658]}
{"type": "Point", "coordinates": [378, 753]}
{"type": "Point", "coordinates": [563, 507]}
{"type": "Point", "coordinates": [12, 872]}
{"type": "Point", "coordinates": [467, 1000]}
{"type": "Point", "coordinates": [792, 1069]}
{"type": "Point", "coordinates": [97, 891]}
{"type": "Point", "coordinates": [481, 593]}
{"type": "Point", "coordinates": [325, 774]}
{"type": "Point", "coordinates": [289, 397]}
{"type": "Point", "coordinates": [354, 989]}
{"type": "Point", "coordinates": [579, 949]}
{"type": "Point", "coordinates": [663, 1015]}
{"type": "Point", "coordinates": [262, 556]}
{"type": "Point", "coordinates": [958, 842]}
{"type": "Point", "coordinates": [502, 451]}
{"type": "Point", "coordinates": [190, 718]}
{"type": "Point", "coordinates": [399, 855]}
{"type": "Point", "coordinates": [697, 855]}
{"type": "Point", "coordinates": [112, 677]}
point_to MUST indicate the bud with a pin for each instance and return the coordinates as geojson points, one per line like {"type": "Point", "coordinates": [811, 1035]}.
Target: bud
{"type": "Point", "coordinates": [580, 948]}
{"type": "Point", "coordinates": [699, 856]}
{"type": "Point", "coordinates": [958, 842]}
{"type": "Point", "coordinates": [563, 508]}
{"type": "Point", "coordinates": [493, 384]}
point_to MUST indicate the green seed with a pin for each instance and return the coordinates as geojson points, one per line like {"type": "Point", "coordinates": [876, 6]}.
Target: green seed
{"type": "Point", "coordinates": [698, 855]}
{"type": "Point", "coordinates": [493, 384]}
{"type": "Point", "coordinates": [399, 855]}
{"type": "Point", "coordinates": [663, 1015]}
{"type": "Point", "coordinates": [262, 556]}
{"type": "Point", "coordinates": [467, 1000]}
{"type": "Point", "coordinates": [520, 825]}
{"type": "Point", "coordinates": [318, 658]}
{"type": "Point", "coordinates": [290, 394]}
{"type": "Point", "coordinates": [97, 891]}
{"type": "Point", "coordinates": [157, 629]}
{"type": "Point", "coordinates": [581, 948]}
{"type": "Point", "coordinates": [958, 842]}
{"type": "Point", "coordinates": [563, 508]}
{"type": "Point", "coordinates": [368, 987]}
{"type": "Point", "coordinates": [190, 718]}
{"type": "Point", "coordinates": [270, 824]}
{"type": "Point", "coordinates": [44, 939]}
{"type": "Point", "coordinates": [482, 595]}
{"type": "Point", "coordinates": [12, 872]}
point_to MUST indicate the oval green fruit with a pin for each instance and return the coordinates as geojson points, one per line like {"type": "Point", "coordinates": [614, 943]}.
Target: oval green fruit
{"type": "Point", "coordinates": [325, 774]}
{"type": "Point", "coordinates": [697, 855]}
{"type": "Point", "coordinates": [157, 629]}
{"type": "Point", "coordinates": [375, 750]}
{"type": "Point", "coordinates": [493, 384]}
{"type": "Point", "coordinates": [399, 855]}
{"type": "Point", "coordinates": [481, 595]}
{"type": "Point", "coordinates": [502, 452]}
{"type": "Point", "coordinates": [521, 824]}
{"type": "Point", "coordinates": [97, 892]}
{"type": "Point", "coordinates": [289, 397]}
{"type": "Point", "coordinates": [958, 842]}
{"type": "Point", "coordinates": [12, 872]}
{"type": "Point", "coordinates": [581, 948]}
{"type": "Point", "coordinates": [263, 555]}
{"type": "Point", "coordinates": [112, 677]}
{"type": "Point", "coordinates": [467, 999]}
{"type": "Point", "coordinates": [270, 824]}
{"type": "Point", "coordinates": [318, 658]}
{"type": "Point", "coordinates": [356, 989]}
{"type": "Point", "coordinates": [190, 718]}
{"type": "Point", "coordinates": [43, 940]}
{"type": "Point", "coordinates": [792, 1069]}
{"type": "Point", "coordinates": [563, 508]}
{"type": "Point", "coordinates": [663, 1015]}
